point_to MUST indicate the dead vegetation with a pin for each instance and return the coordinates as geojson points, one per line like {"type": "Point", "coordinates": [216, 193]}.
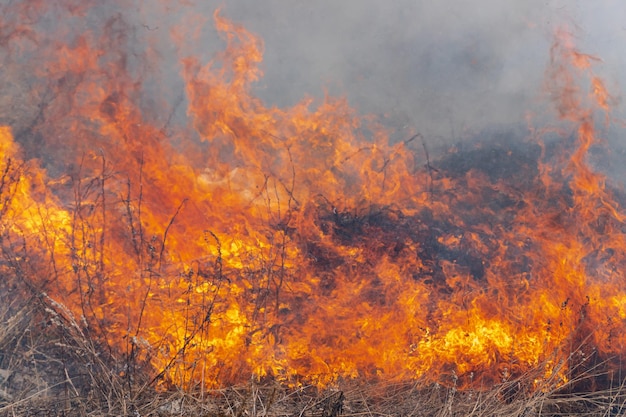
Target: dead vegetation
{"type": "Point", "coordinates": [49, 367]}
{"type": "Point", "coordinates": [53, 364]}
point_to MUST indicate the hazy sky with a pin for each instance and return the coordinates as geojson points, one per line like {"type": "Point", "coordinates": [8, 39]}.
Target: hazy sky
{"type": "Point", "coordinates": [445, 68]}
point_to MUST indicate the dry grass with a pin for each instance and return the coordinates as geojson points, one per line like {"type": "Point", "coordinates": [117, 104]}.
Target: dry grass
{"type": "Point", "coordinates": [49, 367]}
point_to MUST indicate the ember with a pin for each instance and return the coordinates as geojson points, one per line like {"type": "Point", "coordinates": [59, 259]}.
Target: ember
{"type": "Point", "coordinates": [301, 244]}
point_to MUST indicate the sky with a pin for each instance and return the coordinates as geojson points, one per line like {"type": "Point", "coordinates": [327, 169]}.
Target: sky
{"type": "Point", "coordinates": [448, 69]}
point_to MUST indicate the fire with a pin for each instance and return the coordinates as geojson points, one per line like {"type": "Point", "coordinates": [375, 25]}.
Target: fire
{"type": "Point", "coordinates": [300, 243]}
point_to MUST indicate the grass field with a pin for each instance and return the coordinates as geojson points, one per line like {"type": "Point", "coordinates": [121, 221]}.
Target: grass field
{"type": "Point", "coordinates": [50, 367]}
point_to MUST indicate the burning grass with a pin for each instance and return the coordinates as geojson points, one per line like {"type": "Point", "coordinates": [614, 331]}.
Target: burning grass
{"type": "Point", "coordinates": [58, 372]}
{"type": "Point", "coordinates": [52, 363]}
{"type": "Point", "coordinates": [264, 261]}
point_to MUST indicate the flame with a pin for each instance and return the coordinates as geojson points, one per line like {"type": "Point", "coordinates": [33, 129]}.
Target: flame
{"type": "Point", "coordinates": [301, 243]}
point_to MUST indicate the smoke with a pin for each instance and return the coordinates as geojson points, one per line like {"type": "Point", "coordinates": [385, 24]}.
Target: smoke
{"type": "Point", "coordinates": [447, 69]}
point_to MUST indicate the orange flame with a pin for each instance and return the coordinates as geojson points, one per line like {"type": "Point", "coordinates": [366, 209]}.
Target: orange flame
{"type": "Point", "coordinates": [300, 243]}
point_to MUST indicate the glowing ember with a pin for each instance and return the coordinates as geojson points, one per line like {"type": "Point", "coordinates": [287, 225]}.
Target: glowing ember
{"type": "Point", "coordinates": [300, 243]}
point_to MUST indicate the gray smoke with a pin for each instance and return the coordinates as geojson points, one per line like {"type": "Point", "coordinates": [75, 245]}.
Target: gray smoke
{"type": "Point", "coordinates": [447, 69]}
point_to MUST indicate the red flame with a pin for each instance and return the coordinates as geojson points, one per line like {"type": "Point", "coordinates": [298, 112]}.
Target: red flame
{"type": "Point", "coordinates": [300, 243]}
